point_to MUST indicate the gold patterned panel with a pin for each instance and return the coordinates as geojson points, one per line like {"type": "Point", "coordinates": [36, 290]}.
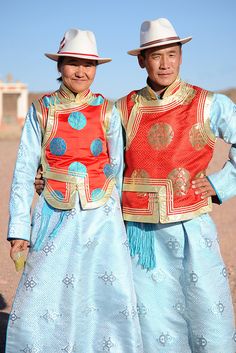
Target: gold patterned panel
{"type": "Point", "coordinates": [161, 207]}
{"type": "Point", "coordinates": [196, 138]}
{"type": "Point", "coordinates": [191, 93]}
{"type": "Point", "coordinates": [160, 136]}
{"type": "Point", "coordinates": [140, 173]}
{"type": "Point", "coordinates": [39, 113]}
{"type": "Point", "coordinates": [206, 117]}
{"type": "Point", "coordinates": [180, 178]}
{"type": "Point", "coordinates": [203, 117]}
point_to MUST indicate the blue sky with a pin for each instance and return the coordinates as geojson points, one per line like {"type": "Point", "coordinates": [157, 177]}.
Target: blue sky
{"type": "Point", "coordinates": [29, 29]}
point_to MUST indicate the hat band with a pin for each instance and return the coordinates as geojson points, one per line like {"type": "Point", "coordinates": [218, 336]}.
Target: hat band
{"type": "Point", "coordinates": [68, 52]}
{"type": "Point", "coordinates": [159, 41]}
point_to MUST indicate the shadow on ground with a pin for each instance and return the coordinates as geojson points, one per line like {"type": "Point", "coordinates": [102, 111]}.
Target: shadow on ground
{"type": "Point", "coordinates": [3, 324]}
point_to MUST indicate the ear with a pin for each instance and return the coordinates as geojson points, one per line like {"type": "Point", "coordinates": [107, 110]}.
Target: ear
{"type": "Point", "coordinates": [59, 67]}
{"type": "Point", "coordinates": [141, 61]}
{"type": "Point", "coordinates": [180, 61]}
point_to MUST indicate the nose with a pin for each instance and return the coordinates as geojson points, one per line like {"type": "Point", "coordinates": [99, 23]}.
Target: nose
{"type": "Point", "coordinates": [79, 71]}
{"type": "Point", "coordinates": [164, 63]}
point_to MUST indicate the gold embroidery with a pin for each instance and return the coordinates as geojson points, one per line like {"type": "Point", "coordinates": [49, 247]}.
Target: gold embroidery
{"type": "Point", "coordinates": [40, 114]}
{"type": "Point", "coordinates": [184, 93]}
{"type": "Point", "coordinates": [160, 136]}
{"type": "Point", "coordinates": [210, 136]}
{"type": "Point", "coordinates": [196, 139]}
{"type": "Point", "coordinates": [140, 174]}
{"type": "Point", "coordinates": [133, 97]}
{"type": "Point", "coordinates": [191, 93]}
{"type": "Point", "coordinates": [180, 178]}
{"type": "Point", "coordinates": [159, 210]}
{"type": "Point", "coordinates": [171, 89]}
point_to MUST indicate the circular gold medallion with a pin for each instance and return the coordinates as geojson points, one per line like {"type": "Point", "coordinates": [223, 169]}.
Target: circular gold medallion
{"type": "Point", "coordinates": [180, 178]}
{"type": "Point", "coordinates": [160, 136]}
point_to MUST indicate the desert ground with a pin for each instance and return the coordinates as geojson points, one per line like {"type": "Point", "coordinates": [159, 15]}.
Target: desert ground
{"type": "Point", "coordinates": [224, 216]}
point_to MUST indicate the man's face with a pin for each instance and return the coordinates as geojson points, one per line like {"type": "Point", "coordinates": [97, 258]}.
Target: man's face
{"type": "Point", "coordinates": [162, 65]}
{"type": "Point", "coordinates": [77, 74]}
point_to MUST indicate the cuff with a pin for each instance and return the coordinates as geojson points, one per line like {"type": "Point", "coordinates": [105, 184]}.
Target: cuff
{"type": "Point", "coordinates": [219, 192]}
{"type": "Point", "coordinates": [19, 231]}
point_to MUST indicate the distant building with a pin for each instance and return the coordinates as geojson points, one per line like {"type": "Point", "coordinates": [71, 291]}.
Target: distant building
{"type": "Point", "coordinates": [13, 101]}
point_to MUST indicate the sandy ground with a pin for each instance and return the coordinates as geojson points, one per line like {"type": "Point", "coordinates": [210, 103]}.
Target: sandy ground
{"type": "Point", "coordinates": [224, 217]}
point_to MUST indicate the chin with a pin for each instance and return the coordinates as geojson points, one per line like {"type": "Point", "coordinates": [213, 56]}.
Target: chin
{"type": "Point", "coordinates": [166, 82]}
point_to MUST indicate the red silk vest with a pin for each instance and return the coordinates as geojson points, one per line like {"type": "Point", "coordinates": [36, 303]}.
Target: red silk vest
{"type": "Point", "coordinates": [168, 143]}
{"type": "Point", "coordinates": [74, 151]}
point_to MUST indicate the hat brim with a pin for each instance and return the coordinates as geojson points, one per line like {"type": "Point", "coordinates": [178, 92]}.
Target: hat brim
{"type": "Point", "coordinates": [98, 59]}
{"type": "Point", "coordinates": [136, 52]}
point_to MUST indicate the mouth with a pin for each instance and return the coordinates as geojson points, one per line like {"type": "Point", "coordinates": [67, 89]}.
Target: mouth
{"type": "Point", "coordinates": [165, 75]}
{"type": "Point", "coordinates": [79, 80]}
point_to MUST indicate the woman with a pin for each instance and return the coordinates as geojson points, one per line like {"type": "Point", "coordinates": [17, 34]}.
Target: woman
{"type": "Point", "coordinates": [76, 292]}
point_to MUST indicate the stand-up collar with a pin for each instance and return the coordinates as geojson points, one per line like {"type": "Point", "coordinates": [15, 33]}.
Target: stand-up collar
{"type": "Point", "coordinates": [170, 90]}
{"type": "Point", "coordinates": [82, 97]}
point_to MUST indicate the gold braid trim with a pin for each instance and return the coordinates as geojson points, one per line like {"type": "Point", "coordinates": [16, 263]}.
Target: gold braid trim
{"type": "Point", "coordinates": [108, 111]}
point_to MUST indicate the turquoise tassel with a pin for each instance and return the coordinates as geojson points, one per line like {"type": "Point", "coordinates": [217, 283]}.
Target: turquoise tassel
{"type": "Point", "coordinates": [47, 212]}
{"type": "Point", "coordinates": [53, 234]}
{"type": "Point", "coordinates": [141, 243]}
{"type": "Point", "coordinates": [45, 218]}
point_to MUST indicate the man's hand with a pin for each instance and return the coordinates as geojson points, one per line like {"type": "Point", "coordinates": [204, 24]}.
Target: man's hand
{"type": "Point", "coordinates": [203, 187]}
{"type": "Point", "coordinates": [17, 246]}
{"type": "Point", "coordinates": [39, 182]}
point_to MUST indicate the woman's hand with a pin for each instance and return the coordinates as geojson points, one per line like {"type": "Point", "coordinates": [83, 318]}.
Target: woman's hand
{"type": "Point", "coordinates": [17, 246]}
{"type": "Point", "coordinates": [39, 182]}
{"type": "Point", "coordinates": [203, 187]}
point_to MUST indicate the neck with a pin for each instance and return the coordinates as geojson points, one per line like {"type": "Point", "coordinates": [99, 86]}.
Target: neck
{"type": "Point", "coordinates": [158, 89]}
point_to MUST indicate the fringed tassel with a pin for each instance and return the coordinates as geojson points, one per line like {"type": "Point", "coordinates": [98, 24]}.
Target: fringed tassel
{"type": "Point", "coordinates": [45, 218]}
{"type": "Point", "coordinates": [53, 234]}
{"type": "Point", "coordinates": [141, 243]}
{"type": "Point", "coordinates": [47, 212]}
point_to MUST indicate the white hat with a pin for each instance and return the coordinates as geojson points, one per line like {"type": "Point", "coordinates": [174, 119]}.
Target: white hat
{"type": "Point", "coordinates": [81, 44]}
{"type": "Point", "coordinates": [156, 33]}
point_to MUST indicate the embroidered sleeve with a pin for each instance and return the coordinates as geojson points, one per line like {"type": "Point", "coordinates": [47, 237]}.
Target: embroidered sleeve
{"type": "Point", "coordinates": [124, 106]}
{"type": "Point", "coordinates": [223, 124]}
{"type": "Point", "coordinates": [22, 189]}
{"type": "Point", "coordinates": [115, 147]}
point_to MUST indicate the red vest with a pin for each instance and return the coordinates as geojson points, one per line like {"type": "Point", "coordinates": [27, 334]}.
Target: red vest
{"type": "Point", "coordinates": [169, 143]}
{"type": "Point", "coordinates": [74, 152]}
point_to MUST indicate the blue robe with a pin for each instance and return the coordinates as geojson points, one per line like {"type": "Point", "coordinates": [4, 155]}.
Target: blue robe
{"type": "Point", "coordinates": [185, 300]}
{"type": "Point", "coordinates": [76, 294]}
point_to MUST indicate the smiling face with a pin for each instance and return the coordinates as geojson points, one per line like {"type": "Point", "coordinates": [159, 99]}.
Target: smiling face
{"type": "Point", "coordinates": [77, 74]}
{"type": "Point", "coordinates": [162, 65]}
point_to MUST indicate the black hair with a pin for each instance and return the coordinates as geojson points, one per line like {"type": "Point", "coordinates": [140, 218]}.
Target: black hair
{"type": "Point", "coordinates": [142, 52]}
{"type": "Point", "coordinates": [59, 63]}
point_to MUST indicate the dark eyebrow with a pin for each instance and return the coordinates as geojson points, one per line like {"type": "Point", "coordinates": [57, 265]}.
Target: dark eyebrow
{"type": "Point", "coordinates": [71, 59]}
{"type": "Point", "coordinates": [90, 62]}
{"type": "Point", "coordinates": [171, 51]}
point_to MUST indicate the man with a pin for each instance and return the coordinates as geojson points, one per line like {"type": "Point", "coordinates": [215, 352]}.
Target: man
{"type": "Point", "coordinates": [184, 302]}
{"type": "Point", "coordinates": [171, 127]}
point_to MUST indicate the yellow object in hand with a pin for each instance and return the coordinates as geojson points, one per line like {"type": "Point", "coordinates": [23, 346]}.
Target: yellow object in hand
{"type": "Point", "coordinates": [19, 260]}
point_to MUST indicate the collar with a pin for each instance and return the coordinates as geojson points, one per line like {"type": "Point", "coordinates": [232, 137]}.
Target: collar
{"type": "Point", "coordinates": [169, 91]}
{"type": "Point", "coordinates": [81, 98]}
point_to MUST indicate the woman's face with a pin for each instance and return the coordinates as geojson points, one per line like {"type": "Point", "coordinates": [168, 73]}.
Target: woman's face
{"type": "Point", "coordinates": [77, 74]}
